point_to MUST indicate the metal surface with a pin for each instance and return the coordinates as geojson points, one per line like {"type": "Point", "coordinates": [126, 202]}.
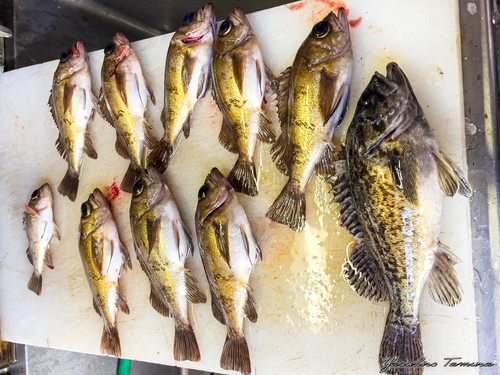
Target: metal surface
{"type": "Point", "coordinates": [44, 29]}
{"type": "Point", "coordinates": [478, 37]}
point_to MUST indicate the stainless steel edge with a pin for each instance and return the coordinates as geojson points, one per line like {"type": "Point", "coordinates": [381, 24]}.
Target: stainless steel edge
{"type": "Point", "coordinates": [482, 141]}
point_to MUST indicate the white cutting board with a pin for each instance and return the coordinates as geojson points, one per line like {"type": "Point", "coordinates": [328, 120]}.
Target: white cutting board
{"type": "Point", "coordinates": [310, 322]}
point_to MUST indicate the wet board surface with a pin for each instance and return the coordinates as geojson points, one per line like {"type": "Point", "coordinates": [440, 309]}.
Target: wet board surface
{"type": "Point", "coordinates": [310, 322]}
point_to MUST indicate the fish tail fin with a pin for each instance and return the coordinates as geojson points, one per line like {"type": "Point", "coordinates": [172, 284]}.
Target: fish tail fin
{"type": "Point", "coordinates": [400, 344]}
{"type": "Point", "coordinates": [235, 355]}
{"type": "Point", "coordinates": [110, 341]}
{"type": "Point", "coordinates": [35, 283]}
{"type": "Point", "coordinates": [132, 175]}
{"type": "Point", "coordinates": [243, 177]}
{"type": "Point", "coordinates": [289, 209]}
{"type": "Point", "coordinates": [160, 156]}
{"type": "Point", "coordinates": [69, 185]}
{"type": "Point", "coordinates": [185, 344]}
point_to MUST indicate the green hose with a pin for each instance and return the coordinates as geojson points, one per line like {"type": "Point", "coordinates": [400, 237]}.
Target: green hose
{"type": "Point", "coordinates": [124, 367]}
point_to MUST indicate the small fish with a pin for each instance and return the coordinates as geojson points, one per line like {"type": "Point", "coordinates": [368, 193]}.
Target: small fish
{"type": "Point", "coordinates": [103, 256]}
{"type": "Point", "coordinates": [239, 76]}
{"type": "Point", "coordinates": [122, 101]}
{"type": "Point", "coordinates": [187, 79]}
{"type": "Point", "coordinates": [72, 105]}
{"type": "Point", "coordinates": [313, 96]}
{"type": "Point", "coordinates": [389, 183]}
{"type": "Point", "coordinates": [229, 251]}
{"type": "Point", "coordinates": [40, 229]}
{"type": "Point", "coordinates": [162, 245]}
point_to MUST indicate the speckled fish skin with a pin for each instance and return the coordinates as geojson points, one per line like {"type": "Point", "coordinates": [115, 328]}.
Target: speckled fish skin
{"type": "Point", "coordinates": [103, 256]}
{"type": "Point", "coordinates": [162, 244]}
{"type": "Point", "coordinates": [239, 85]}
{"type": "Point", "coordinates": [72, 104]}
{"type": "Point", "coordinates": [40, 229]}
{"type": "Point", "coordinates": [229, 251]}
{"type": "Point", "coordinates": [122, 102]}
{"type": "Point", "coordinates": [312, 100]}
{"type": "Point", "coordinates": [394, 175]}
{"type": "Point", "coordinates": [187, 79]}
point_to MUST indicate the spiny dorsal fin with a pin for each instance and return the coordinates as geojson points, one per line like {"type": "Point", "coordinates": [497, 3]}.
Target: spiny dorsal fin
{"type": "Point", "coordinates": [404, 171]}
{"type": "Point", "coordinates": [88, 147]}
{"type": "Point", "coordinates": [250, 310]}
{"type": "Point", "coordinates": [280, 86]}
{"type": "Point", "coordinates": [102, 108]}
{"type": "Point", "coordinates": [222, 237]}
{"type": "Point", "coordinates": [226, 137]}
{"type": "Point", "coordinates": [52, 107]}
{"type": "Point", "coordinates": [158, 304]}
{"type": "Point", "coordinates": [363, 274]}
{"type": "Point", "coordinates": [451, 178]}
{"type": "Point", "coordinates": [443, 283]}
{"type": "Point", "coordinates": [266, 134]}
{"type": "Point", "coordinates": [193, 294]}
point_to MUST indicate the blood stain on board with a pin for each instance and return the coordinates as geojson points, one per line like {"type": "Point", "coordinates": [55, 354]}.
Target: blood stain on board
{"type": "Point", "coordinates": [356, 22]}
{"type": "Point", "coordinates": [112, 193]}
{"type": "Point", "coordinates": [296, 6]}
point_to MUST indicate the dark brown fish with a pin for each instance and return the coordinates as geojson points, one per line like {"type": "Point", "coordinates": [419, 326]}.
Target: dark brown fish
{"type": "Point", "coordinates": [388, 184]}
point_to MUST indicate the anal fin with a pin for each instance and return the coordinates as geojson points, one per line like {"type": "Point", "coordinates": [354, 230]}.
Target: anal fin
{"type": "Point", "coordinates": [28, 254]}
{"type": "Point", "coordinates": [48, 260]}
{"type": "Point", "coordinates": [122, 302]}
{"type": "Point", "coordinates": [250, 310]}
{"type": "Point", "coordinates": [266, 134]}
{"type": "Point", "coordinates": [325, 167]}
{"type": "Point", "coordinates": [151, 141]}
{"type": "Point", "coordinates": [88, 147]}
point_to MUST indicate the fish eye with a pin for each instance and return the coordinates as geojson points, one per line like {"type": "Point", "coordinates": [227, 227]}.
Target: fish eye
{"type": "Point", "coordinates": [321, 29]}
{"type": "Point", "coordinates": [138, 188]}
{"type": "Point", "coordinates": [202, 193]}
{"type": "Point", "coordinates": [35, 194]}
{"type": "Point", "coordinates": [86, 209]}
{"type": "Point", "coordinates": [109, 48]}
{"type": "Point", "coordinates": [188, 18]}
{"type": "Point", "coordinates": [225, 27]}
{"type": "Point", "coordinates": [64, 56]}
{"type": "Point", "coordinates": [365, 97]}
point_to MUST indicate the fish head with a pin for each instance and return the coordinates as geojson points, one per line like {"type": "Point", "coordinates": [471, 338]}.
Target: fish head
{"type": "Point", "coordinates": [116, 52]}
{"type": "Point", "coordinates": [41, 198]}
{"type": "Point", "coordinates": [328, 39]}
{"type": "Point", "coordinates": [212, 195]}
{"type": "Point", "coordinates": [386, 108]}
{"type": "Point", "coordinates": [147, 192]}
{"type": "Point", "coordinates": [72, 60]}
{"type": "Point", "coordinates": [233, 31]}
{"type": "Point", "coordinates": [94, 212]}
{"type": "Point", "coordinates": [197, 27]}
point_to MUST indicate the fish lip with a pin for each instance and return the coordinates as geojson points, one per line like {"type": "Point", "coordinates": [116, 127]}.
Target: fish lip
{"type": "Point", "coordinates": [216, 177]}
{"type": "Point", "coordinates": [192, 39]}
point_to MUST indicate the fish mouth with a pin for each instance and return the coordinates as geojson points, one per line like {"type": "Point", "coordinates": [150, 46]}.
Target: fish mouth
{"type": "Point", "coordinates": [192, 39]}
{"type": "Point", "coordinates": [97, 199]}
{"type": "Point", "coordinates": [202, 16]}
{"type": "Point", "coordinates": [403, 112]}
{"type": "Point", "coordinates": [217, 179]}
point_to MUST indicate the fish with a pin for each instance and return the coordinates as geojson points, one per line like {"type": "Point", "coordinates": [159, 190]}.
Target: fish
{"type": "Point", "coordinates": [122, 101]}
{"type": "Point", "coordinates": [229, 250]}
{"type": "Point", "coordinates": [40, 229]}
{"type": "Point", "coordinates": [103, 257]}
{"type": "Point", "coordinates": [239, 84]}
{"type": "Point", "coordinates": [313, 97]}
{"type": "Point", "coordinates": [73, 105]}
{"type": "Point", "coordinates": [188, 72]}
{"type": "Point", "coordinates": [389, 182]}
{"type": "Point", "coordinates": [162, 244]}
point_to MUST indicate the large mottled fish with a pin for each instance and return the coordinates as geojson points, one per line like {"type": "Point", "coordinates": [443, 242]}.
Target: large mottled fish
{"type": "Point", "coordinates": [72, 104]}
{"type": "Point", "coordinates": [388, 183]}
{"type": "Point", "coordinates": [239, 78]}
{"type": "Point", "coordinates": [229, 251]}
{"type": "Point", "coordinates": [162, 244]}
{"type": "Point", "coordinates": [103, 256]}
{"type": "Point", "coordinates": [40, 229]}
{"type": "Point", "coordinates": [122, 102]}
{"type": "Point", "coordinates": [187, 79]}
{"type": "Point", "coordinates": [313, 96]}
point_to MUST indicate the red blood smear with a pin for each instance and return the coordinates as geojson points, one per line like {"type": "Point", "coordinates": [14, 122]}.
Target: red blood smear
{"type": "Point", "coordinates": [356, 22]}
{"type": "Point", "coordinates": [112, 193]}
{"type": "Point", "coordinates": [265, 101]}
{"type": "Point", "coordinates": [335, 5]}
{"type": "Point", "coordinates": [295, 6]}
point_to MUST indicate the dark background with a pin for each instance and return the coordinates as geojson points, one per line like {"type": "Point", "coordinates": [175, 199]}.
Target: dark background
{"type": "Point", "coordinates": [43, 29]}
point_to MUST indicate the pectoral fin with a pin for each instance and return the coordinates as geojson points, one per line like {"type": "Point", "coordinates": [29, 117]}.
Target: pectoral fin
{"type": "Point", "coordinates": [451, 178]}
{"type": "Point", "coordinates": [153, 229]}
{"type": "Point", "coordinates": [151, 93]}
{"type": "Point", "coordinates": [98, 254]}
{"type": "Point", "coordinates": [251, 244]}
{"type": "Point", "coordinates": [188, 66]}
{"type": "Point", "coordinates": [222, 237]}
{"type": "Point", "coordinates": [404, 171]}
{"type": "Point", "coordinates": [69, 90]}
{"type": "Point", "coordinates": [239, 71]}
{"type": "Point", "coordinates": [30, 210]}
